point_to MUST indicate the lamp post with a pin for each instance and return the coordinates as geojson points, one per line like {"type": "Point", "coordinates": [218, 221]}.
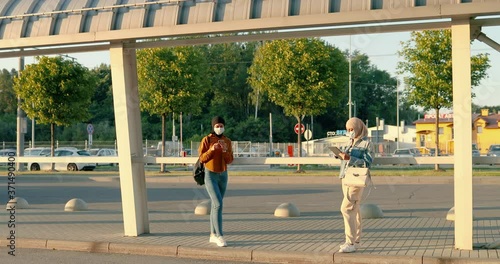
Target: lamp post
{"type": "Point", "coordinates": [350, 66]}
{"type": "Point", "coordinates": [397, 111]}
{"type": "Point", "coordinates": [33, 131]}
{"type": "Point", "coordinates": [21, 124]}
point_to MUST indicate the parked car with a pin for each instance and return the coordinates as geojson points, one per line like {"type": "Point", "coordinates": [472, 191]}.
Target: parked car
{"type": "Point", "coordinates": [7, 153]}
{"type": "Point", "coordinates": [104, 152]}
{"type": "Point", "coordinates": [35, 166]}
{"type": "Point", "coordinates": [432, 152]}
{"type": "Point", "coordinates": [416, 152]}
{"type": "Point", "coordinates": [406, 152]}
{"type": "Point", "coordinates": [39, 151]}
{"type": "Point", "coordinates": [494, 151]}
{"type": "Point", "coordinates": [475, 151]}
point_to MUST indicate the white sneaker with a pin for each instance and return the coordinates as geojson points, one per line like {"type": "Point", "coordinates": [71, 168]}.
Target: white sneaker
{"type": "Point", "coordinates": [219, 240]}
{"type": "Point", "coordinates": [347, 248]}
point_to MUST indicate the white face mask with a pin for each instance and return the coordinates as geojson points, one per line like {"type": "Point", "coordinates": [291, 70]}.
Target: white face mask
{"type": "Point", "coordinates": [218, 130]}
{"type": "Point", "coordinates": [351, 134]}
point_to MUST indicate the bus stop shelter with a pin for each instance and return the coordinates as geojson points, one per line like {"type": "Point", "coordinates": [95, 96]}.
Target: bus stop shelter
{"type": "Point", "coordinates": [39, 27]}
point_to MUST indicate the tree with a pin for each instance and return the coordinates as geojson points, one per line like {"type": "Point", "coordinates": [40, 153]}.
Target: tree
{"type": "Point", "coordinates": [228, 69]}
{"type": "Point", "coordinates": [8, 100]}
{"type": "Point", "coordinates": [427, 60]}
{"type": "Point", "coordinates": [55, 91]}
{"type": "Point", "coordinates": [171, 80]}
{"type": "Point", "coordinates": [299, 76]}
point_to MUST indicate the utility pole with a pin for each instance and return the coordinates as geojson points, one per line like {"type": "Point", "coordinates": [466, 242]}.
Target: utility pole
{"type": "Point", "coordinates": [397, 110]}
{"type": "Point", "coordinates": [350, 80]}
{"type": "Point", "coordinates": [21, 124]}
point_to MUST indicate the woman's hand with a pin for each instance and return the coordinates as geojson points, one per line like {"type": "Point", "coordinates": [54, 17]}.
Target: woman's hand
{"type": "Point", "coordinates": [344, 156]}
{"type": "Point", "coordinates": [216, 147]}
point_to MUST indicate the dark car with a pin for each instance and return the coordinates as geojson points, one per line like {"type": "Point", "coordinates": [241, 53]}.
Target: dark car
{"type": "Point", "coordinates": [475, 151]}
{"type": "Point", "coordinates": [432, 152]}
{"type": "Point", "coordinates": [494, 151]}
{"type": "Point", "coordinates": [7, 153]}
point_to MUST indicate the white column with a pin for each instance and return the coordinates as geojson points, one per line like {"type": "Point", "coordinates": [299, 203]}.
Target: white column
{"type": "Point", "coordinates": [129, 140]}
{"type": "Point", "coordinates": [462, 120]}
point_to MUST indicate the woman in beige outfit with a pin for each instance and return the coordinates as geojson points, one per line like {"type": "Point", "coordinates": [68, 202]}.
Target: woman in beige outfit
{"type": "Point", "coordinates": [357, 153]}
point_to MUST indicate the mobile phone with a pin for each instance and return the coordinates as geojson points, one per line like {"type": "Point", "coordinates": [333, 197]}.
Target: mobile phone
{"type": "Point", "coordinates": [336, 151]}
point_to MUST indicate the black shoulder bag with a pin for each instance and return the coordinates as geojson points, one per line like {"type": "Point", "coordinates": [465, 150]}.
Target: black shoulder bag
{"type": "Point", "coordinates": [199, 173]}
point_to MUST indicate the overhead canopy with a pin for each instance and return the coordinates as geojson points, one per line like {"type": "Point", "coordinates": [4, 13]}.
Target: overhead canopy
{"type": "Point", "coordinates": [56, 24]}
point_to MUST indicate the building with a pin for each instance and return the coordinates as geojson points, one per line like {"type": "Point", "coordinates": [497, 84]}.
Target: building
{"type": "Point", "coordinates": [387, 138]}
{"type": "Point", "coordinates": [485, 131]}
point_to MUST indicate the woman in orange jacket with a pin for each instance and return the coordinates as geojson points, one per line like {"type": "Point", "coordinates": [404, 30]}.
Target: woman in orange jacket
{"type": "Point", "coordinates": [216, 153]}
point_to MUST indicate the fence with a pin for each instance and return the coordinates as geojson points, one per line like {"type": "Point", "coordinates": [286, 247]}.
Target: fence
{"type": "Point", "coordinates": [315, 148]}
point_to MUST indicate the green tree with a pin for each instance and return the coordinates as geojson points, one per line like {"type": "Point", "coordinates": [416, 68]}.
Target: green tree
{"type": "Point", "coordinates": [299, 76]}
{"type": "Point", "coordinates": [428, 63]}
{"type": "Point", "coordinates": [55, 91]}
{"type": "Point", "coordinates": [172, 80]}
{"type": "Point", "coordinates": [8, 100]}
{"type": "Point", "coordinates": [102, 109]}
{"type": "Point", "coordinates": [228, 69]}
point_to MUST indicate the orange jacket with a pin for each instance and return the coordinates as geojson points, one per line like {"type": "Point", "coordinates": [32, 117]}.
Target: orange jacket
{"type": "Point", "coordinates": [215, 160]}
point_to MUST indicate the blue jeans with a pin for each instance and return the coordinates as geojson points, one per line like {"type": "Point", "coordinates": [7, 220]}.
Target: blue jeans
{"type": "Point", "coordinates": [216, 184]}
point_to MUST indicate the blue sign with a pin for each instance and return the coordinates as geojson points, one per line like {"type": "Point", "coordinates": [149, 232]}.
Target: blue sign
{"type": "Point", "coordinates": [90, 129]}
{"type": "Point", "coordinates": [341, 132]}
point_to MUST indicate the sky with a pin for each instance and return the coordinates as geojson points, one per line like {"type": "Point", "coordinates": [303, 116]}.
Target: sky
{"type": "Point", "coordinates": [380, 48]}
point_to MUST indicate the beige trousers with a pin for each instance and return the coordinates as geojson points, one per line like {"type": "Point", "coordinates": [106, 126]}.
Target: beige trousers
{"type": "Point", "coordinates": [351, 213]}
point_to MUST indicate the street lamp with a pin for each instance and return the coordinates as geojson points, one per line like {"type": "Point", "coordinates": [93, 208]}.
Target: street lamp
{"type": "Point", "coordinates": [350, 80]}
{"type": "Point", "coordinates": [397, 110]}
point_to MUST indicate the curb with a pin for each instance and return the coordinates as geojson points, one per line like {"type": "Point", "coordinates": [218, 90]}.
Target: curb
{"type": "Point", "coordinates": [236, 254]}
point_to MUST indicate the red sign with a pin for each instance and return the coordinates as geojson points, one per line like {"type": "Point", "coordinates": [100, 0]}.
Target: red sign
{"type": "Point", "coordinates": [441, 116]}
{"type": "Point", "coordinates": [296, 128]}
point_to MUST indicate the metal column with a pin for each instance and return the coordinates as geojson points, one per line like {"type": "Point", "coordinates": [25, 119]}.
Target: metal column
{"type": "Point", "coordinates": [129, 140]}
{"type": "Point", "coordinates": [462, 120]}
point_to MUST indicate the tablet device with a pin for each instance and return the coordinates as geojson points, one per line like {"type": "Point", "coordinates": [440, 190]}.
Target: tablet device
{"type": "Point", "coordinates": [335, 151]}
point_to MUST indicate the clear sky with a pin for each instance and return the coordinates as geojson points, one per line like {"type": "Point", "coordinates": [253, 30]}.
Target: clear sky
{"type": "Point", "coordinates": [381, 48]}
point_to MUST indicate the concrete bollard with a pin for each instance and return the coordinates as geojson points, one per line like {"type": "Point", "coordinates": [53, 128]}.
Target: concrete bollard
{"type": "Point", "coordinates": [17, 203]}
{"type": "Point", "coordinates": [286, 210]}
{"type": "Point", "coordinates": [203, 208]}
{"type": "Point", "coordinates": [371, 211]}
{"type": "Point", "coordinates": [450, 216]}
{"type": "Point", "coordinates": [75, 204]}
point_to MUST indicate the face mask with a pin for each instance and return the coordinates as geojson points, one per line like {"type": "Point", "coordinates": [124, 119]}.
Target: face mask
{"type": "Point", "coordinates": [218, 130]}
{"type": "Point", "coordinates": [351, 134]}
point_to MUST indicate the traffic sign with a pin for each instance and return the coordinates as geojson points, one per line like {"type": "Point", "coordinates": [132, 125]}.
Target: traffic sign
{"type": "Point", "coordinates": [296, 128]}
{"type": "Point", "coordinates": [90, 129]}
{"type": "Point", "coordinates": [308, 134]}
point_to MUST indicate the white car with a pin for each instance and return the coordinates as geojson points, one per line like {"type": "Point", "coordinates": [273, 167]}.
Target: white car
{"type": "Point", "coordinates": [39, 151]}
{"type": "Point", "coordinates": [104, 152]}
{"type": "Point", "coordinates": [35, 166]}
{"type": "Point", "coordinates": [404, 153]}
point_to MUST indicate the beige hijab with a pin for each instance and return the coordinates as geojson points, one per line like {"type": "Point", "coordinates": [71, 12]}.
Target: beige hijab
{"type": "Point", "coordinates": [360, 130]}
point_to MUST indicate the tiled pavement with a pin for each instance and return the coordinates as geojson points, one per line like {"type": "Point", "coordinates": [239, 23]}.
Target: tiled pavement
{"type": "Point", "coordinates": [256, 235]}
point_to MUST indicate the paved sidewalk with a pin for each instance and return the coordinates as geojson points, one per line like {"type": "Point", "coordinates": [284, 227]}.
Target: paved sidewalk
{"type": "Point", "coordinates": [414, 233]}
